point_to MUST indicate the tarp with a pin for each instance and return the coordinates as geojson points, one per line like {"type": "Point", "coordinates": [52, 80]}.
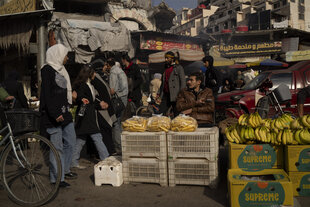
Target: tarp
{"type": "Point", "coordinates": [267, 62]}
{"type": "Point", "coordinates": [185, 55]}
{"type": "Point", "coordinates": [293, 56]}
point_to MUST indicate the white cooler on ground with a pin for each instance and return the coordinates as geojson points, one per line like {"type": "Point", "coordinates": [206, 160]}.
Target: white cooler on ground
{"type": "Point", "coordinates": [108, 171]}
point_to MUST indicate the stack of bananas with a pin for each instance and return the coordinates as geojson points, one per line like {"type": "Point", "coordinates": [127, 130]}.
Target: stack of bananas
{"type": "Point", "coordinates": [135, 124]}
{"type": "Point", "coordinates": [184, 123]}
{"type": "Point", "coordinates": [158, 123]}
{"type": "Point", "coordinates": [282, 130]}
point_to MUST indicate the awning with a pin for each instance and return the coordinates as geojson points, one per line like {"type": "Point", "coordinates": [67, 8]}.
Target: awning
{"type": "Point", "coordinates": [185, 55]}
{"type": "Point", "coordinates": [293, 56]}
{"type": "Point", "coordinates": [218, 60]}
{"type": "Point", "coordinates": [267, 62]}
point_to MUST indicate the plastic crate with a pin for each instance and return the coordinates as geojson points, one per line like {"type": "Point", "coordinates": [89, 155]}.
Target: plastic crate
{"type": "Point", "coordinates": [203, 143]}
{"type": "Point", "coordinates": [108, 171]}
{"type": "Point", "coordinates": [145, 170]}
{"type": "Point", "coordinates": [193, 172]}
{"type": "Point", "coordinates": [144, 144]}
{"type": "Point", "coordinates": [23, 120]}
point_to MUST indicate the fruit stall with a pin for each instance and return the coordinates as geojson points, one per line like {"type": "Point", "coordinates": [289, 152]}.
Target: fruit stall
{"type": "Point", "coordinates": [269, 160]}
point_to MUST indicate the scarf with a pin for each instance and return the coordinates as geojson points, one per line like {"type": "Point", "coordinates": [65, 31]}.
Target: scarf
{"type": "Point", "coordinates": [55, 56]}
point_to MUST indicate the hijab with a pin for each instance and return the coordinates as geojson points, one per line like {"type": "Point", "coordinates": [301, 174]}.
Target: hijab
{"type": "Point", "coordinates": [55, 56]}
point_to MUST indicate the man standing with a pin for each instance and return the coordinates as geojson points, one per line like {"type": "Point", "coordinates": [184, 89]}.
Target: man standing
{"type": "Point", "coordinates": [134, 80]}
{"type": "Point", "coordinates": [211, 80]}
{"type": "Point", "coordinates": [173, 82]}
{"type": "Point", "coordinates": [195, 101]}
{"type": "Point", "coordinates": [118, 85]}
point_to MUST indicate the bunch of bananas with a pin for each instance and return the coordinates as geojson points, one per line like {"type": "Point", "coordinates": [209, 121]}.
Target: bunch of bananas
{"type": "Point", "coordinates": [282, 130]}
{"type": "Point", "coordinates": [306, 120]}
{"type": "Point", "coordinates": [255, 120]}
{"type": "Point", "coordinates": [302, 136]}
{"type": "Point", "coordinates": [135, 124]}
{"type": "Point", "coordinates": [184, 123]}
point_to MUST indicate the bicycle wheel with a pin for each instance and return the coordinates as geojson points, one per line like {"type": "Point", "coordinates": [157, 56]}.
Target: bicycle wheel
{"type": "Point", "coordinates": [30, 185]}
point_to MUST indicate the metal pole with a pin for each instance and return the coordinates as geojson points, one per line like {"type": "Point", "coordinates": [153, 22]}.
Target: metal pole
{"type": "Point", "coordinates": [41, 42]}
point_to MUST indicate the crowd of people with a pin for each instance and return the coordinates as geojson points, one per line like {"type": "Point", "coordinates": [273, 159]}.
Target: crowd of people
{"type": "Point", "coordinates": [97, 123]}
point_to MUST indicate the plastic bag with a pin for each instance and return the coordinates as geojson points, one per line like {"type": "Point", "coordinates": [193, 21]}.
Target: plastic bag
{"type": "Point", "coordinates": [135, 124]}
{"type": "Point", "coordinates": [158, 123]}
{"type": "Point", "coordinates": [183, 123]}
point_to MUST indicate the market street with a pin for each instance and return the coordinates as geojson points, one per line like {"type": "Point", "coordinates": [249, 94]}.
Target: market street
{"type": "Point", "coordinates": [83, 192]}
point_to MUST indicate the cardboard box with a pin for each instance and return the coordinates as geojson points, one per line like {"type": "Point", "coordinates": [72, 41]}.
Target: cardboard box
{"type": "Point", "coordinates": [255, 157]}
{"type": "Point", "coordinates": [270, 187]}
{"type": "Point", "coordinates": [301, 183]}
{"type": "Point", "coordinates": [297, 158]}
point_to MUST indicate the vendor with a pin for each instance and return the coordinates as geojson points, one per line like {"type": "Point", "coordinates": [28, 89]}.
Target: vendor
{"type": "Point", "coordinates": [196, 101]}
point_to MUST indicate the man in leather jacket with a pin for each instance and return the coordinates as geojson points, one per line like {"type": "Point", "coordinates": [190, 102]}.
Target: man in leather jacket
{"type": "Point", "coordinates": [195, 101]}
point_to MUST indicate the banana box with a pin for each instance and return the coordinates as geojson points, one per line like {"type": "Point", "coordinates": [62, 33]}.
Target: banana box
{"type": "Point", "coordinates": [270, 187]}
{"type": "Point", "coordinates": [301, 183]}
{"type": "Point", "coordinates": [255, 157]}
{"type": "Point", "coordinates": [297, 158]}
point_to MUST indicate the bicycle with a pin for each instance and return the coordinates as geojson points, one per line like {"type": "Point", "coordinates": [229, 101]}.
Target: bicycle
{"type": "Point", "coordinates": [24, 161]}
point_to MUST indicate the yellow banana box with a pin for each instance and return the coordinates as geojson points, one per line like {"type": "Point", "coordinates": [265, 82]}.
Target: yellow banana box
{"type": "Point", "coordinates": [270, 187]}
{"type": "Point", "coordinates": [301, 183]}
{"type": "Point", "coordinates": [297, 158]}
{"type": "Point", "coordinates": [255, 157]}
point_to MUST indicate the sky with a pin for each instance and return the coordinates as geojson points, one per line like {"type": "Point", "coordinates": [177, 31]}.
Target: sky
{"type": "Point", "coordinates": [177, 4]}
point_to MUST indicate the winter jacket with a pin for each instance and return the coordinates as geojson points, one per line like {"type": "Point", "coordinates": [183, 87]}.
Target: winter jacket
{"type": "Point", "coordinates": [176, 82]}
{"type": "Point", "coordinates": [53, 98]}
{"type": "Point", "coordinates": [203, 113]}
{"type": "Point", "coordinates": [87, 124]}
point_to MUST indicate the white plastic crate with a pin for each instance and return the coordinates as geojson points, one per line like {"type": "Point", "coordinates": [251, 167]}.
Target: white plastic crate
{"type": "Point", "coordinates": [203, 143]}
{"type": "Point", "coordinates": [108, 171]}
{"type": "Point", "coordinates": [145, 170]}
{"type": "Point", "coordinates": [193, 172]}
{"type": "Point", "coordinates": [144, 144]}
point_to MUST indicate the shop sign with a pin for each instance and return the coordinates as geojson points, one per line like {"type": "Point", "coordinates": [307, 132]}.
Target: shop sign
{"type": "Point", "coordinates": [159, 43]}
{"type": "Point", "coordinates": [17, 6]}
{"type": "Point", "coordinates": [250, 49]}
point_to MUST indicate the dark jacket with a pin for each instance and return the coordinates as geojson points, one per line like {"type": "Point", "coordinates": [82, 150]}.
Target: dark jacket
{"type": "Point", "coordinates": [211, 79]}
{"type": "Point", "coordinates": [87, 124]}
{"type": "Point", "coordinates": [134, 82]}
{"type": "Point", "coordinates": [53, 99]}
{"type": "Point", "coordinates": [105, 117]}
{"type": "Point", "coordinates": [203, 113]}
{"type": "Point", "coordinates": [15, 88]}
{"type": "Point", "coordinates": [176, 82]}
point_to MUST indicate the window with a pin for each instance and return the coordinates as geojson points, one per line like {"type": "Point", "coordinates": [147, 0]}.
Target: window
{"type": "Point", "coordinates": [301, 9]}
{"type": "Point", "coordinates": [216, 29]}
{"type": "Point", "coordinates": [281, 78]}
{"type": "Point", "coordinates": [238, 9]}
{"type": "Point", "coordinates": [276, 5]}
{"type": "Point", "coordinates": [284, 2]}
{"type": "Point", "coordinates": [301, 1]}
{"type": "Point", "coordinates": [229, 12]}
{"type": "Point", "coordinates": [301, 16]}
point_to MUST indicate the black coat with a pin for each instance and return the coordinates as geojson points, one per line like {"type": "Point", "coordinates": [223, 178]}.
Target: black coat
{"type": "Point", "coordinates": [87, 124]}
{"type": "Point", "coordinates": [135, 81]}
{"type": "Point", "coordinates": [53, 98]}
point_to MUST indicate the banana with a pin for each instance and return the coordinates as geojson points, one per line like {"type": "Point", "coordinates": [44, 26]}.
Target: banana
{"type": "Point", "coordinates": [258, 118]}
{"type": "Point", "coordinates": [279, 136]}
{"type": "Point", "coordinates": [268, 137]}
{"type": "Point", "coordinates": [251, 133]}
{"type": "Point", "coordinates": [227, 133]}
{"type": "Point", "coordinates": [296, 136]}
{"type": "Point", "coordinates": [242, 119]}
{"type": "Point", "coordinates": [284, 138]}
{"type": "Point", "coordinates": [305, 136]}
{"type": "Point", "coordinates": [304, 120]}
{"type": "Point", "coordinates": [257, 135]}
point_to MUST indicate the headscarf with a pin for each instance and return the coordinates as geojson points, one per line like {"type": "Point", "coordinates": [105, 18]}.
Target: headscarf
{"type": "Point", "coordinates": [157, 75]}
{"type": "Point", "coordinates": [55, 56]}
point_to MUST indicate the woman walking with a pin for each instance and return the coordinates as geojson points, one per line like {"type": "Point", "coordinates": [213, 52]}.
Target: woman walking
{"type": "Point", "coordinates": [86, 122]}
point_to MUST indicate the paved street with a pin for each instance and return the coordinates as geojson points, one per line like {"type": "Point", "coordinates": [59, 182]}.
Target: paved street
{"type": "Point", "coordinates": [83, 192]}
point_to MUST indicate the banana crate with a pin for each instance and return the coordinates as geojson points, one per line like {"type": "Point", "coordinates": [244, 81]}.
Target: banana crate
{"type": "Point", "coordinates": [301, 183]}
{"type": "Point", "coordinates": [199, 171]}
{"type": "Point", "coordinates": [145, 170]}
{"type": "Point", "coordinates": [203, 143]}
{"type": "Point", "coordinates": [144, 144]}
{"type": "Point", "coordinates": [255, 157]}
{"type": "Point", "coordinates": [297, 158]}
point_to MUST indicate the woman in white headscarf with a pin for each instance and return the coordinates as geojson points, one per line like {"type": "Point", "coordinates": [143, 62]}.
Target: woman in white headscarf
{"type": "Point", "coordinates": [55, 100]}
